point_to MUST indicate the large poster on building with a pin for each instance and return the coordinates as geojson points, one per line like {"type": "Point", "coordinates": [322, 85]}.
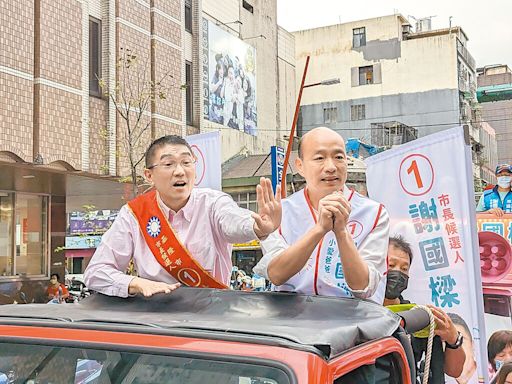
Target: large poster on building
{"type": "Point", "coordinates": [427, 188]}
{"type": "Point", "coordinates": [229, 80]}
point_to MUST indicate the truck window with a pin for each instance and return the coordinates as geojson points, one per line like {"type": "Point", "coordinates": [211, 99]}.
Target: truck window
{"type": "Point", "coordinates": [386, 370]}
{"type": "Point", "coordinates": [497, 305]}
{"type": "Point", "coordinates": [24, 363]}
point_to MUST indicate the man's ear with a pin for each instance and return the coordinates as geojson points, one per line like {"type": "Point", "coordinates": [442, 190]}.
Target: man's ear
{"type": "Point", "coordinates": [148, 175]}
{"type": "Point", "coordinates": [300, 166]}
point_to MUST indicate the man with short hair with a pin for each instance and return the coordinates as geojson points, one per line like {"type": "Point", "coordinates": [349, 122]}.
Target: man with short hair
{"type": "Point", "coordinates": [332, 241]}
{"type": "Point", "coordinates": [499, 199]}
{"type": "Point", "coordinates": [399, 263]}
{"type": "Point", "coordinates": [177, 233]}
{"type": "Point", "coordinates": [451, 359]}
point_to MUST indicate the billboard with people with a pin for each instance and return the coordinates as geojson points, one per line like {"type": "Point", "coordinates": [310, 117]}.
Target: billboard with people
{"type": "Point", "coordinates": [229, 80]}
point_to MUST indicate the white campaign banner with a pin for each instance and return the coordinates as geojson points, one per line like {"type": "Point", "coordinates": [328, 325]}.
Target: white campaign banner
{"type": "Point", "coordinates": [206, 147]}
{"type": "Point", "coordinates": [427, 187]}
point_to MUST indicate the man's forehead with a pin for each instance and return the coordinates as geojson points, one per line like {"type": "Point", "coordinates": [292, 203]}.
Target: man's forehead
{"type": "Point", "coordinates": [396, 253]}
{"type": "Point", "coordinates": [173, 150]}
{"type": "Point", "coordinates": [321, 139]}
{"type": "Point", "coordinates": [326, 149]}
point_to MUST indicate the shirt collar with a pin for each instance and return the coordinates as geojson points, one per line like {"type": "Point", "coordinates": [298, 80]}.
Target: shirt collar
{"type": "Point", "coordinates": [187, 209]}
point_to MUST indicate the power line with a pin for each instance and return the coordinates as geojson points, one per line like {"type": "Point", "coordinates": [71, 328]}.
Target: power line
{"type": "Point", "coordinates": [219, 127]}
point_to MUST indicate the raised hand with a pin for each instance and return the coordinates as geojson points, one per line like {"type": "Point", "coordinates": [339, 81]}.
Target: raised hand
{"type": "Point", "coordinates": [268, 218]}
{"type": "Point", "coordinates": [147, 288]}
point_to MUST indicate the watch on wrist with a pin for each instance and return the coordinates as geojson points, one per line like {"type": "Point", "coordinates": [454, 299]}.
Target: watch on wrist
{"type": "Point", "coordinates": [457, 343]}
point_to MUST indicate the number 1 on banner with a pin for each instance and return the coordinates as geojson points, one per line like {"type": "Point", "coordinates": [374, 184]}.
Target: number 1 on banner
{"type": "Point", "coordinates": [416, 174]}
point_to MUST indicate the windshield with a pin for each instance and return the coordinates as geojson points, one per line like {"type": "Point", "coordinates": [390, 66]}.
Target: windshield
{"type": "Point", "coordinates": [36, 364]}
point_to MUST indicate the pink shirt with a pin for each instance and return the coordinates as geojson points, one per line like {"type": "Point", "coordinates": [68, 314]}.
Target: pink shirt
{"type": "Point", "coordinates": [207, 225]}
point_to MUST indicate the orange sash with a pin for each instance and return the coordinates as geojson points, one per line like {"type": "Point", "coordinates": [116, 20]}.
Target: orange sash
{"type": "Point", "coordinates": [166, 247]}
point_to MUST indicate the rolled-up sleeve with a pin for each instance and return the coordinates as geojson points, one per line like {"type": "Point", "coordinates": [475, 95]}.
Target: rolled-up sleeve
{"type": "Point", "coordinates": [271, 247]}
{"type": "Point", "coordinates": [236, 224]}
{"type": "Point", "coordinates": [105, 272]}
{"type": "Point", "coordinates": [373, 250]}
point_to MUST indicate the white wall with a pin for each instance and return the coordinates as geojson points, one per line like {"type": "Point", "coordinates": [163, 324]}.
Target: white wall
{"type": "Point", "coordinates": [286, 79]}
{"type": "Point", "coordinates": [423, 64]}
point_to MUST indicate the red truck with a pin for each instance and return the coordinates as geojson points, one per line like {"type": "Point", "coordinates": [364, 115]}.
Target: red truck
{"type": "Point", "coordinates": [205, 336]}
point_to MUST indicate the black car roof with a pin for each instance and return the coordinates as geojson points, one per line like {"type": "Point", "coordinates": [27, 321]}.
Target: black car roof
{"type": "Point", "coordinates": [325, 325]}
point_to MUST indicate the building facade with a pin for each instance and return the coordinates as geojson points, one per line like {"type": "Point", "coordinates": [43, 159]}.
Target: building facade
{"type": "Point", "coordinates": [406, 83]}
{"type": "Point", "coordinates": [495, 97]}
{"type": "Point", "coordinates": [75, 74]}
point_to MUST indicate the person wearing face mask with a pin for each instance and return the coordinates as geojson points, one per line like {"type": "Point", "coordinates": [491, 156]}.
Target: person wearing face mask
{"type": "Point", "coordinates": [56, 291]}
{"type": "Point", "coordinates": [499, 349]}
{"type": "Point", "coordinates": [448, 359]}
{"type": "Point", "coordinates": [499, 199]}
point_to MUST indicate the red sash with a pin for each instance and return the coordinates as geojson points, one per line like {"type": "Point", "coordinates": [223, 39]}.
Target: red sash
{"type": "Point", "coordinates": [166, 247]}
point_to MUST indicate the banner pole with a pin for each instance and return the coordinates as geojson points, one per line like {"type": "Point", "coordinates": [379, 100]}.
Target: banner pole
{"type": "Point", "coordinates": [292, 131]}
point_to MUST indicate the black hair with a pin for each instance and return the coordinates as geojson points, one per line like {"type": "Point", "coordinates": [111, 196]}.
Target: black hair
{"type": "Point", "coordinates": [56, 275]}
{"type": "Point", "coordinates": [399, 243]}
{"type": "Point", "coordinates": [165, 140]}
{"type": "Point", "coordinates": [498, 341]}
{"type": "Point", "coordinates": [505, 369]}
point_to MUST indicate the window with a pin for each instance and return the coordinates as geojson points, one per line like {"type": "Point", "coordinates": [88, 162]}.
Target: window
{"type": "Point", "coordinates": [359, 37]}
{"type": "Point", "coordinates": [94, 56]}
{"type": "Point", "coordinates": [366, 75]}
{"type": "Point", "coordinates": [6, 234]}
{"type": "Point", "coordinates": [188, 16]}
{"type": "Point", "coordinates": [247, 6]}
{"type": "Point", "coordinates": [188, 93]}
{"type": "Point", "coordinates": [246, 200]}
{"type": "Point", "coordinates": [386, 369]}
{"type": "Point", "coordinates": [330, 115]}
{"type": "Point", "coordinates": [56, 364]}
{"type": "Point", "coordinates": [23, 234]}
{"type": "Point", "coordinates": [357, 112]}
{"type": "Point", "coordinates": [371, 74]}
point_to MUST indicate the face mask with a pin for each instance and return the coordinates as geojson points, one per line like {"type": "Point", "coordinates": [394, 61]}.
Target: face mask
{"type": "Point", "coordinates": [504, 181]}
{"type": "Point", "coordinates": [498, 364]}
{"type": "Point", "coordinates": [396, 284]}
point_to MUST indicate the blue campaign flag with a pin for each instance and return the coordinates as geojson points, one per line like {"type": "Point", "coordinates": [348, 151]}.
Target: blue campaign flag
{"type": "Point", "coordinates": [277, 160]}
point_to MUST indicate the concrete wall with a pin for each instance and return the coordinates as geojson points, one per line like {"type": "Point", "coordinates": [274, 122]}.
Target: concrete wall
{"type": "Point", "coordinates": [489, 153]}
{"type": "Point", "coordinates": [499, 115]}
{"type": "Point", "coordinates": [286, 80]}
{"type": "Point", "coordinates": [416, 65]}
{"type": "Point", "coordinates": [428, 111]}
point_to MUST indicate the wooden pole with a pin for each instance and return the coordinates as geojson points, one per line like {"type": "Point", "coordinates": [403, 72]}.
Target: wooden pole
{"type": "Point", "coordinates": [292, 131]}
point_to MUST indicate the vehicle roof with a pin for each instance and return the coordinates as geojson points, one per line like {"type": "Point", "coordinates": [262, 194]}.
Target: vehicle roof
{"type": "Point", "coordinates": [325, 325]}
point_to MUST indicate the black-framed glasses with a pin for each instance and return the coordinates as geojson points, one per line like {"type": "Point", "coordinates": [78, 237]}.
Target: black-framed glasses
{"type": "Point", "coordinates": [172, 165]}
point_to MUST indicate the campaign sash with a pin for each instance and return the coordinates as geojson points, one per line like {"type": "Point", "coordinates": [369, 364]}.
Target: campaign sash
{"type": "Point", "coordinates": [167, 249]}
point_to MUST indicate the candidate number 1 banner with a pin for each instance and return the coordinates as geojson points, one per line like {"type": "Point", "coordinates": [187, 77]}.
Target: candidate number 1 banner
{"type": "Point", "coordinates": [427, 187]}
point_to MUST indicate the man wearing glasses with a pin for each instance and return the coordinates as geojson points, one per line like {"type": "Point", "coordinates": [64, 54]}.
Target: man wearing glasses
{"type": "Point", "coordinates": [498, 200]}
{"type": "Point", "coordinates": [177, 234]}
